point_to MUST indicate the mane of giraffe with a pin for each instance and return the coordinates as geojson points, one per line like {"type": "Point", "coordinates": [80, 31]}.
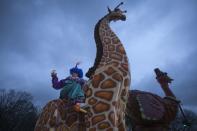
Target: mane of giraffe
{"type": "Point", "coordinates": [107, 89]}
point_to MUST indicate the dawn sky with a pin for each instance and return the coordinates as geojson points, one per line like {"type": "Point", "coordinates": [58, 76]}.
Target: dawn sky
{"type": "Point", "coordinates": [37, 36]}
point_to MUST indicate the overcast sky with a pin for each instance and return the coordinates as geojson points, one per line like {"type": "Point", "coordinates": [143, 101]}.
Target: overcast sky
{"type": "Point", "coordinates": [37, 36]}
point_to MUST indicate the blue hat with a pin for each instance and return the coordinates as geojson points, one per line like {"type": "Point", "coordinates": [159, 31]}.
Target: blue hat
{"type": "Point", "coordinates": [77, 70]}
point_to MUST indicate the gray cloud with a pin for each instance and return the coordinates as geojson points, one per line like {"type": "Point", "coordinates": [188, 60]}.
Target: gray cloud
{"type": "Point", "coordinates": [37, 36]}
{"type": "Point", "coordinates": [184, 85]}
{"type": "Point", "coordinates": [169, 43]}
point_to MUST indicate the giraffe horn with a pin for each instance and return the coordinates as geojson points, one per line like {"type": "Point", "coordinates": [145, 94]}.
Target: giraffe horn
{"type": "Point", "coordinates": [109, 10]}
{"type": "Point", "coordinates": [119, 5]}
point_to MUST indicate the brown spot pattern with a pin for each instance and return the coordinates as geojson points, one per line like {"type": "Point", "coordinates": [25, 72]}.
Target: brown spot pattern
{"type": "Point", "coordinates": [62, 128]}
{"type": "Point", "coordinates": [107, 40]}
{"type": "Point", "coordinates": [92, 101]}
{"type": "Point", "coordinates": [111, 47]}
{"type": "Point", "coordinates": [97, 119]}
{"type": "Point", "coordinates": [101, 107]}
{"type": "Point", "coordinates": [121, 127]}
{"type": "Point", "coordinates": [117, 77]}
{"type": "Point", "coordinates": [52, 121]}
{"type": "Point", "coordinates": [87, 124]}
{"type": "Point", "coordinates": [109, 71]}
{"type": "Point", "coordinates": [125, 59]}
{"type": "Point", "coordinates": [113, 63]}
{"type": "Point", "coordinates": [115, 56]}
{"type": "Point", "coordinates": [105, 54]}
{"type": "Point", "coordinates": [112, 118]}
{"type": "Point", "coordinates": [102, 32]}
{"type": "Point", "coordinates": [126, 82]}
{"type": "Point", "coordinates": [125, 67]}
{"type": "Point", "coordinates": [104, 48]}
{"type": "Point", "coordinates": [123, 72]}
{"type": "Point", "coordinates": [109, 83]}
{"type": "Point", "coordinates": [115, 40]}
{"type": "Point", "coordinates": [90, 114]}
{"type": "Point", "coordinates": [97, 79]}
{"type": "Point", "coordinates": [107, 95]}
{"type": "Point", "coordinates": [88, 92]}
{"type": "Point", "coordinates": [120, 49]}
{"type": "Point", "coordinates": [103, 59]}
{"type": "Point", "coordinates": [92, 129]}
{"type": "Point", "coordinates": [123, 93]}
{"type": "Point", "coordinates": [103, 125]}
{"type": "Point", "coordinates": [110, 129]}
{"type": "Point", "coordinates": [108, 60]}
{"type": "Point", "coordinates": [71, 119]}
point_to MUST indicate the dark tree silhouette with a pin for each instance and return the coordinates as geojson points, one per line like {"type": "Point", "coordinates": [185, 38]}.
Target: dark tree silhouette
{"type": "Point", "coordinates": [182, 124]}
{"type": "Point", "coordinates": [17, 112]}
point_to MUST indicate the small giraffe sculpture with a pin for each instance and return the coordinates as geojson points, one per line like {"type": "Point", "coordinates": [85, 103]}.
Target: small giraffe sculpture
{"type": "Point", "coordinates": [107, 88]}
{"type": "Point", "coordinates": [149, 112]}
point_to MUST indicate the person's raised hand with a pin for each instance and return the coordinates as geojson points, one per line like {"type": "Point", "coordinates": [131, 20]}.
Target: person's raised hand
{"type": "Point", "coordinates": [53, 73]}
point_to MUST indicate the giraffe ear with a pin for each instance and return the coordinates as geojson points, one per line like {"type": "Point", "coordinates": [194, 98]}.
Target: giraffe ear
{"type": "Point", "coordinates": [109, 10]}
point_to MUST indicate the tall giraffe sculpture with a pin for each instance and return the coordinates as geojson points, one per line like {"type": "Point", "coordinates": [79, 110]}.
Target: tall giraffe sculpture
{"type": "Point", "coordinates": [107, 88]}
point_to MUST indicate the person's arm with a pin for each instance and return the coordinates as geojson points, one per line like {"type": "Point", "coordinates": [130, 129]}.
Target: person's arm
{"type": "Point", "coordinates": [56, 84]}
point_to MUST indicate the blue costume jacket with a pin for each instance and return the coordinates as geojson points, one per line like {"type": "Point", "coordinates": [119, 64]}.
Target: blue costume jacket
{"type": "Point", "coordinates": [71, 88]}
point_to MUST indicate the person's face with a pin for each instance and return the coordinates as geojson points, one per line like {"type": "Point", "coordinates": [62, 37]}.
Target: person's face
{"type": "Point", "coordinates": [74, 75]}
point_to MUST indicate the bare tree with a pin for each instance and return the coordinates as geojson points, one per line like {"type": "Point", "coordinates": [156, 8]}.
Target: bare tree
{"type": "Point", "coordinates": [189, 123]}
{"type": "Point", "coordinates": [17, 112]}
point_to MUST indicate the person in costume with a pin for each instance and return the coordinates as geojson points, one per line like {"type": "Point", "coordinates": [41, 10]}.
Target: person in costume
{"type": "Point", "coordinates": [71, 87]}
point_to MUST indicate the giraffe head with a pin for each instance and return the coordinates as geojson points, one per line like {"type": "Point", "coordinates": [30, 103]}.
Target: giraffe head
{"type": "Point", "coordinates": [162, 77]}
{"type": "Point", "coordinates": [116, 14]}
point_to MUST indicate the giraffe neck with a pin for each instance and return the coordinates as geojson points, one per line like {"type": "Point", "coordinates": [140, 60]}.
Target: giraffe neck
{"type": "Point", "coordinates": [167, 90]}
{"type": "Point", "coordinates": [110, 79]}
{"type": "Point", "coordinates": [109, 47]}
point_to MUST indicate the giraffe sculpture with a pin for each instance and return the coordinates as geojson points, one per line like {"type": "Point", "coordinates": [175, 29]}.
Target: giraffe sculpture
{"type": "Point", "coordinates": [55, 117]}
{"type": "Point", "coordinates": [106, 90]}
{"type": "Point", "coordinates": [149, 112]}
